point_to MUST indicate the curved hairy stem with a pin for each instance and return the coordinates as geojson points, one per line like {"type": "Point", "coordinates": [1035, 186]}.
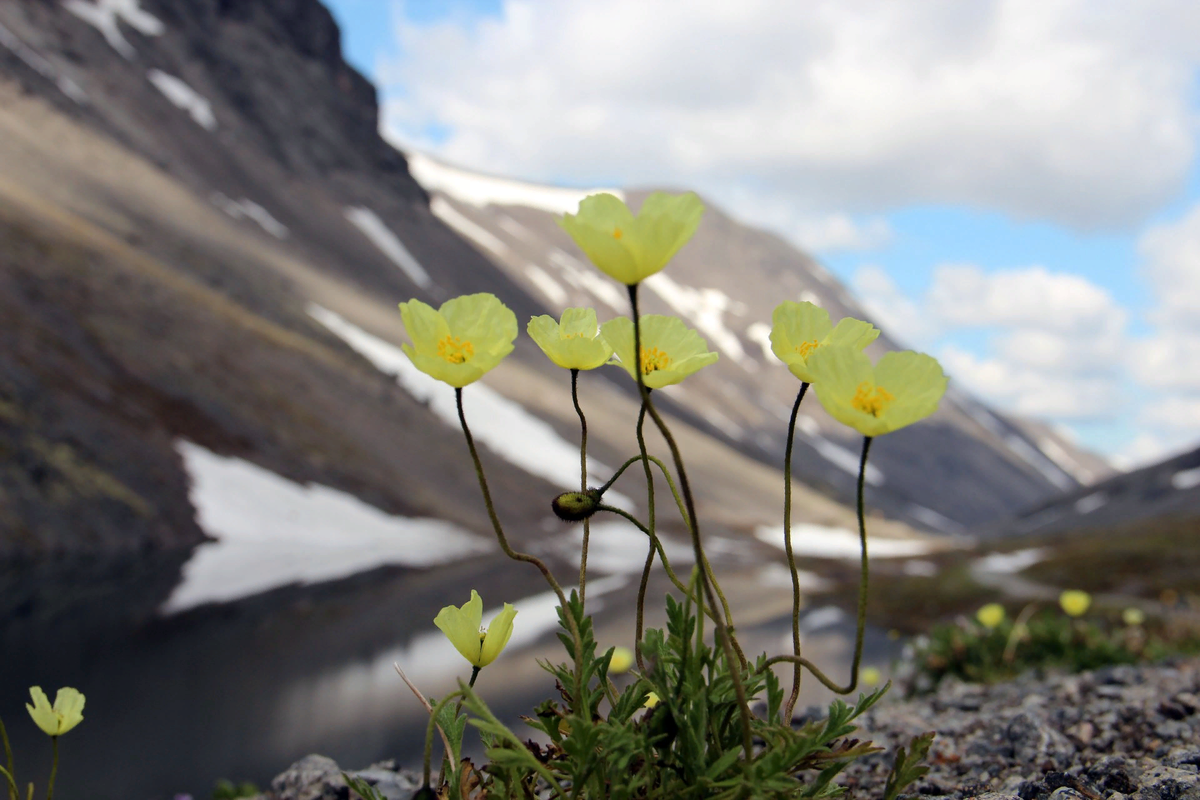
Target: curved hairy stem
{"type": "Point", "coordinates": [640, 624]}
{"type": "Point", "coordinates": [13, 792]}
{"type": "Point", "coordinates": [507, 548]}
{"type": "Point", "coordinates": [861, 623]}
{"type": "Point", "coordinates": [797, 668]}
{"type": "Point", "coordinates": [724, 635]}
{"type": "Point", "coordinates": [662, 554]}
{"type": "Point", "coordinates": [587, 528]}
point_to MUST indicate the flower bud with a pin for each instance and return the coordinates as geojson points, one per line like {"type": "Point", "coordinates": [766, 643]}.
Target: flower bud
{"type": "Point", "coordinates": [576, 506]}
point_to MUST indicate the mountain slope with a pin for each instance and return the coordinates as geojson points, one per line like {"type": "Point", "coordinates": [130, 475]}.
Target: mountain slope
{"type": "Point", "coordinates": [966, 466]}
{"type": "Point", "coordinates": [189, 190]}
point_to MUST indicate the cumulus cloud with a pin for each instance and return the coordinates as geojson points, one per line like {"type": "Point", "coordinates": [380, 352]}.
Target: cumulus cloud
{"type": "Point", "coordinates": [1171, 261]}
{"type": "Point", "coordinates": [904, 320]}
{"type": "Point", "coordinates": [1072, 111]}
{"type": "Point", "coordinates": [1056, 342]}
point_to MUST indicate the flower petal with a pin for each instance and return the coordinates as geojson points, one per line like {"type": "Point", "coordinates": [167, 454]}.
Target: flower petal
{"type": "Point", "coordinates": [498, 634]}
{"type": "Point", "coordinates": [461, 626]}
{"type": "Point", "coordinates": [68, 705]}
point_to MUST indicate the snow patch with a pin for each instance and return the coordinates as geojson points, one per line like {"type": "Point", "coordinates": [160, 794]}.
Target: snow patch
{"type": "Point", "coordinates": [1035, 458]}
{"type": "Point", "coordinates": [501, 424]}
{"type": "Point", "coordinates": [103, 15]}
{"type": "Point", "coordinates": [547, 285]}
{"type": "Point", "coordinates": [35, 61]}
{"type": "Point", "coordinates": [760, 334]}
{"type": "Point", "coordinates": [382, 237]}
{"type": "Point", "coordinates": [248, 209]}
{"type": "Point", "coordinates": [823, 541]}
{"type": "Point", "coordinates": [1011, 563]}
{"type": "Point", "coordinates": [844, 459]}
{"type": "Point", "coordinates": [1086, 505]}
{"type": "Point", "coordinates": [778, 576]}
{"type": "Point", "coordinates": [450, 215]}
{"type": "Point", "coordinates": [823, 617]}
{"type": "Point", "coordinates": [272, 532]}
{"type": "Point", "coordinates": [705, 308]}
{"type": "Point", "coordinates": [1186, 479]}
{"type": "Point", "coordinates": [919, 568]}
{"type": "Point", "coordinates": [616, 548]}
{"type": "Point", "coordinates": [483, 190]}
{"type": "Point", "coordinates": [1064, 460]}
{"type": "Point", "coordinates": [185, 98]}
{"type": "Point", "coordinates": [933, 519]}
{"type": "Point", "coordinates": [514, 228]}
{"type": "Point", "coordinates": [579, 274]}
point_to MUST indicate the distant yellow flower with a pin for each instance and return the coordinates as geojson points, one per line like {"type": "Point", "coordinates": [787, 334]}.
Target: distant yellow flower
{"type": "Point", "coordinates": [630, 248]}
{"type": "Point", "coordinates": [464, 628]}
{"type": "Point", "coordinates": [670, 349]}
{"type": "Point", "coordinates": [900, 390]}
{"type": "Point", "coordinates": [1133, 617]}
{"type": "Point", "coordinates": [991, 615]}
{"type": "Point", "coordinates": [797, 329]}
{"type": "Point", "coordinates": [621, 661]}
{"type": "Point", "coordinates": [460, 341]}
{"type": "Point", "coordinates": [652, 700]}
{"type": "Point", "coordinates": [576, 343]}
{"type": "Point", "coordinates": [65, 715]}
{"type": "Point", "coordinates": [1075, 602]}
{"type": "Point", "coordinates": [870, 676]}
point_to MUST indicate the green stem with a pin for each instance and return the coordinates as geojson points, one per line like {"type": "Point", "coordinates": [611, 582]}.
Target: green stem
{"type": "Point", "coordinates": [513, 554]}
{"type": "Point", "coordinates": [861, 625]}
{"type": "Point", "coordinates": [587, 529]}
{"type": "Point", "coordinates": [13, 792]}
{"type": "Point", "coordinates": [797, 669]}
{"type": "Point", "coordinates": [53, 767]}
{"type": "Point", "coordinates": [724, 635]}
{"type": "Point", "coordinates": [640, 620]}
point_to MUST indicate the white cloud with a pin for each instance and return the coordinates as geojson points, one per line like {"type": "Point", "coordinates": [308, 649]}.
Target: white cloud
{"type": "Point", "coordinates": [964, 295]}
{"type": "Point", "coordinates": [1171, 261]}
{"type": "Point", "coordinates": [1034, 391]}
{"type": "Point", "coordinates": [891, 308]}
{"type": "Point", "coordinates": [1174, 414]}
{"type": "Point", "coordinates": [1071, 111]}
{"type": "Point", "coordinates": [839, 232]}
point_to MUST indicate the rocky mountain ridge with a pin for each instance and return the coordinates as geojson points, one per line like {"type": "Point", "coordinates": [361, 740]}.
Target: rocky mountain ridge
{"type": "Point", "coordinates": [182, 182]}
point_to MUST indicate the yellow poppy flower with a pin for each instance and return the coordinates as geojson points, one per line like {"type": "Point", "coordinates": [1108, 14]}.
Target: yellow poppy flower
{"type": "Point", "coordinates": [901, 389]}
{"type": "Point", "coordinates": [464, 628]}
{"type": "Point", "coordinates": [799, 328]}
{"type": "Point", "coordinates": [66, 713]}
{"type": "Point", "coordinates": [460, 341]}
{"type": "Point", "coordinates": [991, 615]}
{"type": "Point", "coordinates": [670, 349]}
{"type": "Point", "coordinates": [621, 661]}
{"type": "Point", "coordinates": [630, 248]}
{"type": "Point", "coordinates": [576, 343]}
{"type": "Point", "coordinates": [1133, 616]}
{"type": "Point", "coordinates": [652, 699]}
{"type": "Point", "coordinates": [1075, 602]}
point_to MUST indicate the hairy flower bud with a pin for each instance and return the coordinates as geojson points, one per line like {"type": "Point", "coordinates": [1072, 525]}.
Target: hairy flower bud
{"type": "Point", "coordinates": [576, 506]}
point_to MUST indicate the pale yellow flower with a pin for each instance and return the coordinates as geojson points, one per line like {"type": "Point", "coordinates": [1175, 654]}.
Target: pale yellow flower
{"type": "Point", "coordinates": [671, 350]}
{"type": "Point", "coordinates": [652, 700]}
{"type": "Point", "coordinates": [870, 676]}
{"type": "Point", "coordinates": [797, 329]}
{"type": "Point", "coordinates": [460, 341]}
{"type": "Point", "coordinates": [575, 343]}
{"type": "Point", "coordinates": [66, 713]}
{"type": "Point", "coordinates": [991, 615]}
{"type": "Point", "coordinates": [1075, 602]}
{"type": "Point", "coordinates": [463, 627]}
{"type": "Point", "coordinates": [1133, 616]}
{"type": "Point", "coordinates": [628, 248]}
{"type": "Point", "coordinates": [900, 390]}
{"type": "Point", "coordinates": [621, 661]}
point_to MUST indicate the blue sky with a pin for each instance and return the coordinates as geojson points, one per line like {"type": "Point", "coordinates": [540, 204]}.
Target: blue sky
{"type": "Point", "coordinates": [1008, 184]}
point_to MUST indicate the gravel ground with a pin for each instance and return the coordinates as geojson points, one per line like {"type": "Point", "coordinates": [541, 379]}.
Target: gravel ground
{"type": "Point", "coordinates": [1115, 733]}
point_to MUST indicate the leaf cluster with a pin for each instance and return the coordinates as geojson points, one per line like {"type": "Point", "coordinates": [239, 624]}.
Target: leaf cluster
{"type": "Point", "coordinates": [603, 742]}
{"type": "Point", "coordinates": [1048, 640]}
